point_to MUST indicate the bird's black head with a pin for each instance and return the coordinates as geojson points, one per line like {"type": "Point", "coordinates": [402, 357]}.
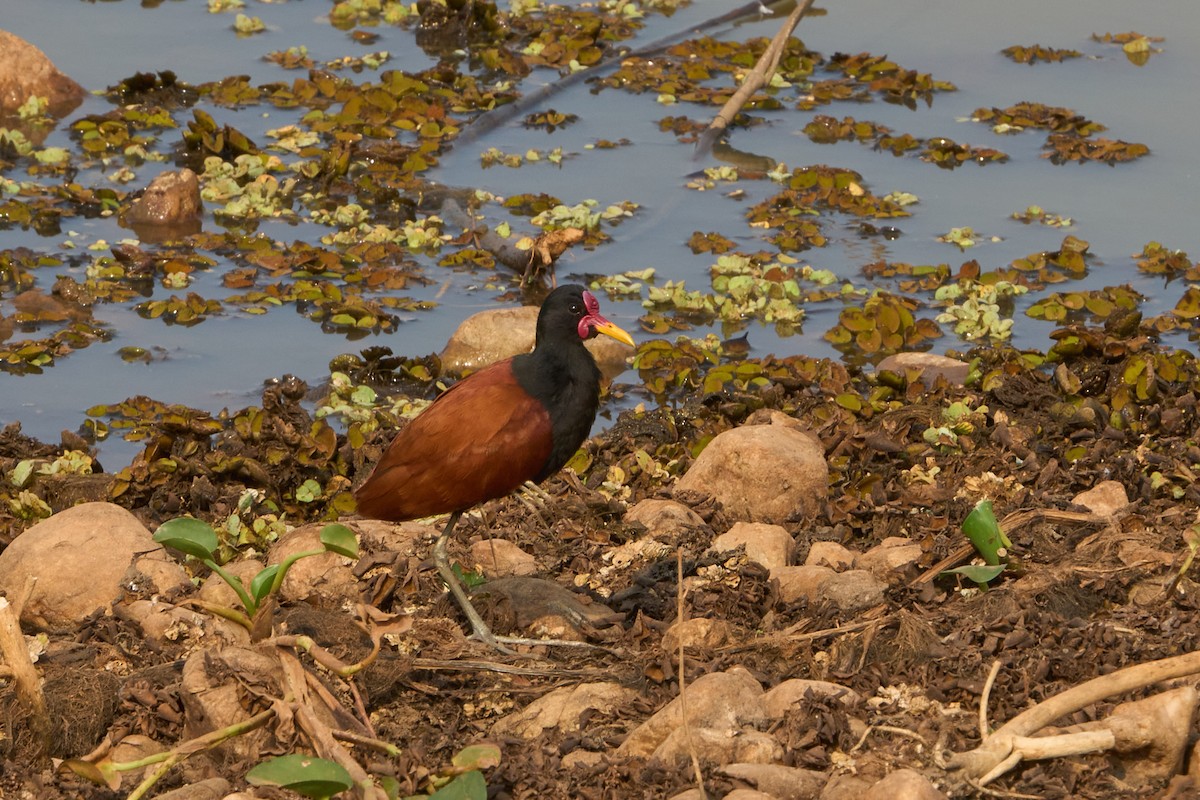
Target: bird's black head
{"type": "Point", "coordinates": [572, 311]}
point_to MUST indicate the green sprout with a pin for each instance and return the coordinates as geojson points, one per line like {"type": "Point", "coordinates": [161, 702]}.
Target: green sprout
{"type": "Point", "coordinates": [197, 539]}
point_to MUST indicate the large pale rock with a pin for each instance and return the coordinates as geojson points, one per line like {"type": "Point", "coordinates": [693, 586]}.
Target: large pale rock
{"type": "Point", "coordinates": [761, 473]}
{"type": "Point", "coordinates": [718, 746]}
{"type": "Point", "coordinates": [26, 72]}
{"type": "Point", "coordinates": [500, 558]}
{"type": "Point", "coordinates": [665, 519]}
{"type": "Point", "coordinates": [767, 545]}
{"type": "Point", "coordinates": [779, 701]}
{"type": "Point", "coordinates": [903, 784]}
{"type": "Point", "coordinates": [563, 709]}
{"type": "Point", "coordinates": [830, 554]}
{"type": "Point", "coordinates": [325, 580]}
{"type": "Point", "coordinates": [927, 367]}
{"type": "Point", "coordinates": [852, 590]}
{"type": "Point", "coordinates": [889, 559]}
{"type": "Point", "coordinates": [724, 701]}
{"type": "Point", "coordinates": [697, 632]}
{"type": "Point", "coordinates": [83, 558]}
{"type": "Point", "coordinates": [498, 333]}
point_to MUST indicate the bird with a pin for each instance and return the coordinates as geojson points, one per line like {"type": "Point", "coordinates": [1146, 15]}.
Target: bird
{"type": "Point", "coordinates": [512, 422]}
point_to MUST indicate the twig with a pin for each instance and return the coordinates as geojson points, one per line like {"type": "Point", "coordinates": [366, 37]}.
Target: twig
{"type": "Point", "coordinates": [983, 699]}
{"type": "Point", "coordinates": [755, 80]}
{"type": "Point", "coordinates": [683, 709]}
{"type": "Point", "coordinates": [998, 747]}
{"type": "Point", "coordinates": [25, 676]}
{"type": "Point", "coordinates": [180, 752]}
{"type": "Point", "coordinates": [887, 729]}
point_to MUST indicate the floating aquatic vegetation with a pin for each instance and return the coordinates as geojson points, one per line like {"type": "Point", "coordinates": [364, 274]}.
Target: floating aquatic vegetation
{"type": "Point", "coordinates": [1137, 48]}
{"type": "Point", "coordinates": [1158, 260]}
{"type": "Point", "coordinates": [949, 154]}
{"type": "Point", "coordinates": [1032, 54]}
{"type": "Point", "coordinates": [1042, 216]}
{"type": "Point", "coordinates": [1077, 306]}
{"type": "Point", "coordinates": [882, 325]}
{"type": "Point", "coordinates": [979, 309]}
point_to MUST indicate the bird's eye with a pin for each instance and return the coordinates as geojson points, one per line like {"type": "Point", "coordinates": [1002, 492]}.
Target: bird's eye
{"type": "Point", "coordinates": [576, 308]}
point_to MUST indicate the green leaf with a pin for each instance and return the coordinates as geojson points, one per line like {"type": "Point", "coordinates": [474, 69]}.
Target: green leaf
{"type": "Point", "coordinates": [468, 786]}
{"type": "Point", "coordinates": [307, 775]}
{"type": "Point", "coordinates": [337, 538]}
{"type": "Point", "coordinates": [260, 586]}
{"type": "Point", "coordinates": [188, 535]}
{"type": "Point", "coordinates": [981, 528]}
{"type": "Point", "coordinates": [977, 572]}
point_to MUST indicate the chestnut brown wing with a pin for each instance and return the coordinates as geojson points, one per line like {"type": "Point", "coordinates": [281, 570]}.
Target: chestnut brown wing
{"type": "Point", "coordinates": [480, 440]}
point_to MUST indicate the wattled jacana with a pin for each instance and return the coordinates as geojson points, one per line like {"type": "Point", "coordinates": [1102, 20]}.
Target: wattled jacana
{"type": "Point", "coordinates": [517, 420]}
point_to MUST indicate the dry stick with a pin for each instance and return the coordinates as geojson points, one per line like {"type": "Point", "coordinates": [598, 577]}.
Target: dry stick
{"type": "Point", "coordinates": [320, 734]}
{"type": "Point", "coordinates": [687, 728]}
{"type": "Point", "coordinates": [755, 80]}
{"type": "Point", "coordinates": [181, 751]}
{"type": "Point", "coordinates": [996, 748]}
{"type": "Point", "coordinates": [983, 699]}
{"type": "Point", "coordinates": [25, 676]}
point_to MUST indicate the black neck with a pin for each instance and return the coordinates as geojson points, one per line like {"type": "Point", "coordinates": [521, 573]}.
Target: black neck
{"type": "Point", "coordinates": [562, 375]}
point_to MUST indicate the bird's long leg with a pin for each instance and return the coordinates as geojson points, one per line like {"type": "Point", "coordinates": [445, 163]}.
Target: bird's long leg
{"type": "Point", "coordinates": [480, 628]}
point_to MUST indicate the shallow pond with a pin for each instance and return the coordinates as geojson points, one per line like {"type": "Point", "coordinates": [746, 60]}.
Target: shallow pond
{"type": "Point", "coordinates": [222, 362]}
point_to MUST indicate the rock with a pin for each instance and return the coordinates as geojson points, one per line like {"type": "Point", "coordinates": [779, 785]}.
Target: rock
{"type": "Point", "coordinates": [749, 794]}
{"type": "Point", "coordinates": [779, 700]}
{"type": "Point", "coordinates": [927, 366]}
{"type": "Point", "coordinates": [498, 333]}
{"type": "Point", "coordinates": [724, 701]}
{"type": "Point", "coordinates": [717, 746]}
{"type": "Point", "coordinates": [889, 559]}
{"type": "Point", "coordinates": [170, 207]}
{"type": "Point", "coordinates": [760, 473]}
{"type": "Point", "coordinates": [26, 72]}
{"type": "Point", "coordinates": [903, 784]}
{"type": "Point", "coordinates": [778, 781]}
{"type": "Point", "coordinates": [563, 709]}
{"type": "Point", "coordinates": [162, 622]}
{"type": "Point", "coordinates": [852, 590]}
{"type": "Point", "coordinates": [665, 519]}
{"type": "Point", "coordinates": [83, 559]}
{"type": "Point", "coordinates": [500, 557]}
{"type": "Point", "coordinates": [697, 632]}
{"type": "Point", "coordinates": [404, 538]}
{"type": "Point", "coordinates": [767, 545]}
{"type": "Point", "coordinates": [324, 580]}
{"type": "Point", "coordinates": [1104, 499]}
{"type": "Point", "coordinates": [830, 554]}
{"type": "Point", "coordinates": [845, 787]}
{"type": "Point", "coordinates": [133, 747]}
{"type": "Point", "coordinates": [803, 582]}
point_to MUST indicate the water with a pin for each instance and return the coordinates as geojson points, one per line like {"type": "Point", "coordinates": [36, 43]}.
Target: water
{"type": "Point", "coordinates": [222, 362]}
